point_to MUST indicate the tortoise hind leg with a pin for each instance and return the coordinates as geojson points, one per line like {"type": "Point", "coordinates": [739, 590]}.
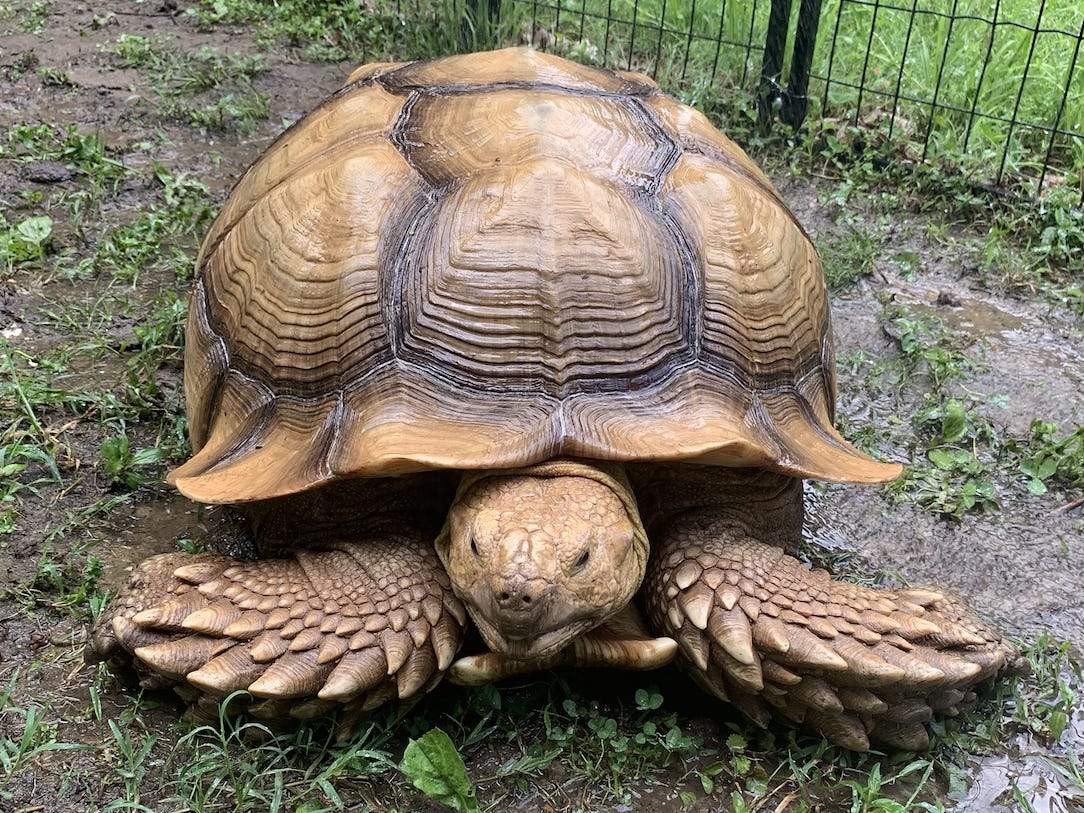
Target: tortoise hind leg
{"type": "Point", "coordinates": [767, 633]}
{"type": "Point", "coordinates": [351, 623]}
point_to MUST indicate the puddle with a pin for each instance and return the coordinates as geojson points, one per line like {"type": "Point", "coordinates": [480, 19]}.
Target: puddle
{"type": "Point", "coordinates": [1000, 781]}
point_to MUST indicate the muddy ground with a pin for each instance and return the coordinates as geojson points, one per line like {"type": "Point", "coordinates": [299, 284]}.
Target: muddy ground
{"type": "Point", "coordinates": [1020, 564]}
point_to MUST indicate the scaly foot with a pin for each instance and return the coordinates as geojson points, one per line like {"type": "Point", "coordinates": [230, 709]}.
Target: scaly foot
{"type": "Point", "coordinates": [854, 663]}
{"type": "Point", "coordinates": [355, 623]}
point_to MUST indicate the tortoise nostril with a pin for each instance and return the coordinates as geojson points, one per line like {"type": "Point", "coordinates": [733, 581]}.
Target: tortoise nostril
{"type": "Point", "coordinates": [504, 596]}
{"type": "Point", "coordinates": [526, 599]}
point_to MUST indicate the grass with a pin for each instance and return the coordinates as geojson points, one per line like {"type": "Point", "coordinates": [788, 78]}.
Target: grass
{"type": "Point", "coordinates": [558, 744]}
{"type": "Point", "coordinates": [206, 87]}
{"type": "Point", "coordinates": [848, 257]}
{"type": "Point", "coordinates": [340, 30]}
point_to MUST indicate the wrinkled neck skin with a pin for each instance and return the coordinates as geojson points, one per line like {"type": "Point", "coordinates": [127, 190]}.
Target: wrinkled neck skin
{"type": "Point", "coordinates": [544, 554]}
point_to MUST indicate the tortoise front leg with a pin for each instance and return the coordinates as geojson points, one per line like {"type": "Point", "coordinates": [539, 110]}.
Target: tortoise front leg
{"type": "Point", "coordinates": [767, 633]}
{"type": "Point", "coordinates": [354, 623]}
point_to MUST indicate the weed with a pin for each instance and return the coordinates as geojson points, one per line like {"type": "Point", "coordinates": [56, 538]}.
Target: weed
{"type": "Point", "coordinates": [83, 151]}
{"type": "Point", "coordinates": [31, 18]}
{"type": "Point", "coordinates": [125, 467]}
{"type": "Point", "coordinates": [339, 30]}
{"type": "Point", "coordinates": [1047, 458]}
{"type": "Point", "coordinates": [927, 346]}
{"type": "Point", "coordinates": [179, 77]}
{"type": "Point", "coordinates": [127, 251]}
{"type": "Point", "coordinates": [71, 583]}
{"type": "Point", "coordinates": [435, 767]}
{"type": "Point", "coordinates": [232, 111]}
{"type": "Point", "coordinates": [848, 257]}
{"type": "Point", "coordinates": [592, 743]}
{"type": "Point", "coordinates": [1037, 699]}
{"type": "Point", "coordinates": [25, 242]}
{"type": "Point", "coordinates": [55, 77]}
{"type": "Point", "coordinates": [1025, 247]}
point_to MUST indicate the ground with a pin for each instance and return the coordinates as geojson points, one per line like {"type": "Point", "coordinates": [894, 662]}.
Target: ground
{"type": "Point", "coordinates": [121, 133]}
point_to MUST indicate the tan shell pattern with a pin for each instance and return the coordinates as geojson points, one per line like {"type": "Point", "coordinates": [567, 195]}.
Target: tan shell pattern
{"type": "Point", "coordinates": [493, 259]}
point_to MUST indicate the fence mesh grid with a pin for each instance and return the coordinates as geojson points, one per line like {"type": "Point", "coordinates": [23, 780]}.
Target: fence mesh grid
{"type": "Point", "coordinates": [995, 87]}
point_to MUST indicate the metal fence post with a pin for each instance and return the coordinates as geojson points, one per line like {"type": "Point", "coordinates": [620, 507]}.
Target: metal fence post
{"type": "Point", "coordinates": [775, 43]}
{"type": "Point", "coordinates": [796, 99]}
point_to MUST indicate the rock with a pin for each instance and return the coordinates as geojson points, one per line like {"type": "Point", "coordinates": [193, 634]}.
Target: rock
{"type": "Point", "coordinates": [946, 297]}
{"type": "Point", "coordinates": [47, 172]}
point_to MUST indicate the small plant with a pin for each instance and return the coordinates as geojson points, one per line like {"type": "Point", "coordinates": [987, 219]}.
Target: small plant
{"type": "Point", "coordinates": [24, 242]}
{"type": "Point", "coordinates": [1048, 458]}
{"type": "Point", "coordinates": [435, 767]}
{"type": "Point", "coordinates": [124, 467]}
{"type": "Point", "coordinates": [848, 257]}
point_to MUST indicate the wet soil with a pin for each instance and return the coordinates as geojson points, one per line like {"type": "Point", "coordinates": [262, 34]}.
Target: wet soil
{"type": "Point", "coordinates": [1021, 565]}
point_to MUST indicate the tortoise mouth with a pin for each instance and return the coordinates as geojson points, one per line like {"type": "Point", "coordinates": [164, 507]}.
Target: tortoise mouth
{"type": "Point", "coordinates": [522, 644]}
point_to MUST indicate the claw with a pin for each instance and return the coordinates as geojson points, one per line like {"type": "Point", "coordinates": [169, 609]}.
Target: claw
{"type": "Point", "coordinates": [179, 657]}
{"type": "Point", "coordinates": [169, 615]}
{"type": "Point", "coordinates": [294, 674]}
{"type": "Point", "coordinates": [730, 629]}
{"type": "Point", "coordinates": [355, 673]}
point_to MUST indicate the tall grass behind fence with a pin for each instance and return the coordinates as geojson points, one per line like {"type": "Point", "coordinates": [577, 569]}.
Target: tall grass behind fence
{"type": "Point", "coordinates": [993, 87]}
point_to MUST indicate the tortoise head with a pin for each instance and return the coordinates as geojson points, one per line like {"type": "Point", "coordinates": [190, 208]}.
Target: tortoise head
{"type": "Point", "coordinates": [543, 555]}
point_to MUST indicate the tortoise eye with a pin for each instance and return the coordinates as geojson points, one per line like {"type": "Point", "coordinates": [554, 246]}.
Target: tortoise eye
{"type": "Point", "coordinates": [582, 561]}
{"type": "Point", "coordinates": [474, 547]}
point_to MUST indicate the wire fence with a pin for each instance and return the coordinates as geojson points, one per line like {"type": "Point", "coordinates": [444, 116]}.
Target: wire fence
{"type": "Point", "coordinates": [995, 88]}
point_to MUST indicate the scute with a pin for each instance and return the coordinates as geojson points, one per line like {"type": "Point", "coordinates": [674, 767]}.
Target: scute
{"type": "Point", "coordinates": [489, 260]}
{"type": "Point", "coordinates": [538, 274]}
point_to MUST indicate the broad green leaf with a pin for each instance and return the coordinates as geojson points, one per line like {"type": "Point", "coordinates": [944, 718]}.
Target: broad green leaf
{"type": "Point", "coordinates": [435, 767]}
{"type": "Point", "coordinates": [1036, 486]}
{"type": "Point", "coordinates": [35, 229]}
{"type": "Point", "coordinates": [942, 458]}
{"type": "Point", "coordinates": [954, 422]}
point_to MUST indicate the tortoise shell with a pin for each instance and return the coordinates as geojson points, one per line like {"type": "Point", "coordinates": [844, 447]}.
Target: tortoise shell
{"type": "Point", "coordinates": [493, 259]}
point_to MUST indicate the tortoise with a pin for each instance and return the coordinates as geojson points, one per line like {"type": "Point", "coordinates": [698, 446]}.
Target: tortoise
{"type": "Point", "coordinates": [504, 339]}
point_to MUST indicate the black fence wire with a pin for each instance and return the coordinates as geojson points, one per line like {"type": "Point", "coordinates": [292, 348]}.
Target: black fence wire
{"type": "Point", "coordinates": [993, 87]}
